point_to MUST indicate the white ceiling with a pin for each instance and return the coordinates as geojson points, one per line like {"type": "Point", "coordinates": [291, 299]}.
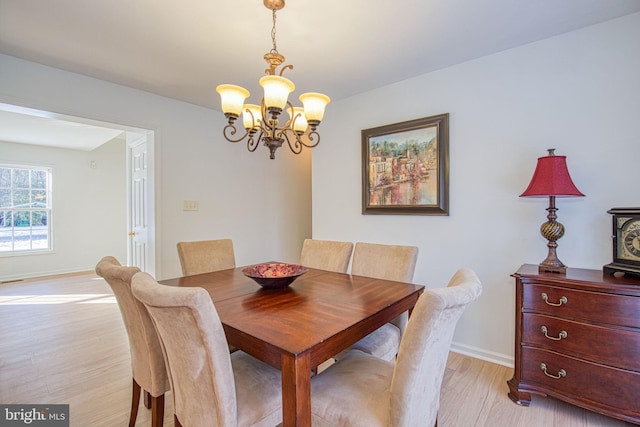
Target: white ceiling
{"type": "Point", "coordinates": [39, 128]}
{"type": "Point", "coordinates": [183, 50]}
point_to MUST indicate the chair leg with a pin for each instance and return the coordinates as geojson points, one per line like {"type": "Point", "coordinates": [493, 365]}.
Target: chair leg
{"type": "Point", "coordinates": [147, 399]}
{"type": "Point", "coordinates": [135, 401]}
{"type": "Point", "coordinates": [157, 411]}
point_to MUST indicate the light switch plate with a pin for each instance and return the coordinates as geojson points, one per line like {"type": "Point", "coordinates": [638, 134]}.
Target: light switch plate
{"type": "Point", "coordinates": [190, 205]}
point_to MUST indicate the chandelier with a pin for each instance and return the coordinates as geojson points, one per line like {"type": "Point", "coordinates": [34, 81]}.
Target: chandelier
{"type": "Point", "coordinates": [263, 122]}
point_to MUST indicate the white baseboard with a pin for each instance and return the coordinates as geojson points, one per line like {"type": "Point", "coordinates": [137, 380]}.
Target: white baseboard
{"type": "Point", "coordinates": [33, 275]}
{"type": "Point", "coordinates": [479, 353]}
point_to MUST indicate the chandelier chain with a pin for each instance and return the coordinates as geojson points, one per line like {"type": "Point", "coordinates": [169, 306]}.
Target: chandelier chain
{"type": "Point", "coordinates": [273, 33]}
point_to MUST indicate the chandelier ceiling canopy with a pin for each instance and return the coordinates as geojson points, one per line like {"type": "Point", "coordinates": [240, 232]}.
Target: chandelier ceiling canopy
{"type": "Point", "coordinates": [264, 122]}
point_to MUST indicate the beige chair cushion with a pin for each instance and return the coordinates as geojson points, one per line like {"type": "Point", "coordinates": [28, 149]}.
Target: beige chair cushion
{"type": "Point", "coordinates": [352, 392]}
{"type": "Point", "coordinates": [205, 256]}
{"type": "Point", "coordinates": [210, 386]}
{"type": "Point", "coordinates": [326, 255]}
{"type": "Point", "coordinates": [389, 262]}
{"type": "Point", "coordinates": [363, 390]}
{"type": "Point", "coordinates": [382, 343]}
{"type": "Point", "coordinates": [147, 364]}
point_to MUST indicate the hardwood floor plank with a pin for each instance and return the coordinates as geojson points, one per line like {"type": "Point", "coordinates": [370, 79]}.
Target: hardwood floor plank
{"type": "Point", "coordinates": [62, 340]}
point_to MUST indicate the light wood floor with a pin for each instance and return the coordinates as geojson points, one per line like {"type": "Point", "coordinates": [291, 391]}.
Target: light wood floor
{"type": "Point", "coordinates": [62, 341]}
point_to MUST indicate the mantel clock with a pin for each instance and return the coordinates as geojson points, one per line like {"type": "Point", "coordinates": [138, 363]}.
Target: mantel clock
{"type": "Point", "coordinates": [626, 242]}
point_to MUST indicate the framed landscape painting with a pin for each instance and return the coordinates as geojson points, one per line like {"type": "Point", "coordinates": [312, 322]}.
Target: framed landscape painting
{"type": "Point", "coordinates": [405, 167]}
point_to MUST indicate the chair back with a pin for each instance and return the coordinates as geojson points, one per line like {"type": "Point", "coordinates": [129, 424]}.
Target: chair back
{"type": "Point", "coordinates": [205, 256]}
{"type": "Point", "coordinates": [147, 363]}
{"type": "Point", "coordinates": [422, 358]}
{"type": "Point", "coordinates": [195, 349]}
{"type": "Point", "coordinates": [326, 255]}
{"type": "Point", "coordinates": [389, 262]}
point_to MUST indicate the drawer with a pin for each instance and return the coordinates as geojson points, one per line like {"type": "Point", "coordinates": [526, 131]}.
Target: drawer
{"type": "Point", "coordinates": [623, 310]}
{"type": "Point", "coordinates": [585, 383]}
{"type": "Point", "coordinates": [610, 346]}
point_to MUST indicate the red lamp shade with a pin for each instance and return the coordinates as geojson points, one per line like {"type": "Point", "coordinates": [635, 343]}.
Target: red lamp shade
{"type": "Point", "coordinates": [551, 178]}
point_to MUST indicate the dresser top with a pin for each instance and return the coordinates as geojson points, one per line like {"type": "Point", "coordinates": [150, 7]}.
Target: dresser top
{"type": "Point", "coordinates": [574, 275]}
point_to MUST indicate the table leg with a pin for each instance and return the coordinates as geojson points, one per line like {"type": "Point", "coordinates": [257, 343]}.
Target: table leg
{"type": "Point", "coordinates": [296, 390]}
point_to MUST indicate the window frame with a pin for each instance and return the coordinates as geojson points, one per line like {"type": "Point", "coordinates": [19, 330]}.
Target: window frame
{"type": "Point", "coordinates": [47, 208]}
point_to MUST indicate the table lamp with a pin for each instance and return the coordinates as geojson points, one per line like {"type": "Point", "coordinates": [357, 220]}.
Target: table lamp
{"type": "Point", "coordinates": [551, 178]}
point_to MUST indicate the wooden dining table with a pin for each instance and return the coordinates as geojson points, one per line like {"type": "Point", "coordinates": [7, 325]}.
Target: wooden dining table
{"type": "Point", "coordinates": [296, 328]}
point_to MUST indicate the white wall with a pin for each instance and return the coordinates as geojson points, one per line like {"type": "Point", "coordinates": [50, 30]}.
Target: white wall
{"type": "Point", "coordinates": [263, 205]}
{"type": "Point", "coordinates": [84, 226]}
{"type": "Point", "coordinates": [578, 93]}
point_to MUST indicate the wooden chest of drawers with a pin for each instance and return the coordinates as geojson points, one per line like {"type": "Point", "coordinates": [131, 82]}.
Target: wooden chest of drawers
{"type": "Point", "coordinates": [578, 339]}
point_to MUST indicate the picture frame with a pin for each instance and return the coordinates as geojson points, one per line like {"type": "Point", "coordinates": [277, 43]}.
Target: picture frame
{"type": "Point", "coordinates": [405, 167]}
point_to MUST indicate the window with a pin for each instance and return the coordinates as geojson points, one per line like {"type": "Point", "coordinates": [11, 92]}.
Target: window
{"type": "Point", "coordinates": [25, 209]}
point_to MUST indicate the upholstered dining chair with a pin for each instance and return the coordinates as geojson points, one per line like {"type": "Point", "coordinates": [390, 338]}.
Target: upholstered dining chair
{"type": "Point", "coordinates": [326, 255]}
{"type": "Point", "coordinates": [363, 390]}
{"type": "Point", "coordinates": [389, 262]}
{"type": "Point", "coordinates": [210, 386]}
{"type": "Point", "coordinates": [205, 256]}
{"type": "Point", "coordinates": [147, 364]}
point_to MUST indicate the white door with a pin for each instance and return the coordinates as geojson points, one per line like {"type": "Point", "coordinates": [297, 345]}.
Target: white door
{"type": "Point", "coordinates": [138, 206]}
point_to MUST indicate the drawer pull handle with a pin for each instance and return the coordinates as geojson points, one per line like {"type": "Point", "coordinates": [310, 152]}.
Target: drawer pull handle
{"type": "Point", "coordinates": [545, 298]}
{"type": "Point", "coordinates": [561, 335]}
{"type": "Point", "coordinates": [561, 372]}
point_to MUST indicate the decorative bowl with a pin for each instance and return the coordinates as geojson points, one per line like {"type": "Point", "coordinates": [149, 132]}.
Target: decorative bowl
{"type": "Point", "coordinates": [274, 274]}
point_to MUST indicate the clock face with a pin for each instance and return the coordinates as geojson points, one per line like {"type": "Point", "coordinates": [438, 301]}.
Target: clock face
{"type": "Point", "coordinates": [629, 240]}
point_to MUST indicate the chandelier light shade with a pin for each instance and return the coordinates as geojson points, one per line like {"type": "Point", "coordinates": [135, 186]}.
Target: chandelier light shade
{"type": "Point", "coordinates": [265, 122]}
{"type": "Point", "coordinates": [232, 99]}
{"type": "Point", "coordinates": [276, 92]}
{"type": "Point", "coordinates": [314, 105]}
{"type": "Point", "coordinates": [551, 179]}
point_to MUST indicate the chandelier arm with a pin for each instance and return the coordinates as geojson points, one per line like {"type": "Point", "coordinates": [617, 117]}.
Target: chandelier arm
{"type": "Point", "coordinates": [289, 123]}
{"type": "Point", "coordinates": [289, 66]}
{"type": "Point", "coordinates": [310, 136]}
{"type": "Point", "coordinates": [263, 114]}
{"type": "Point", "coordinates": [230, 130]}
{"type": "Point", "coordinates": [296, 147]}
{"type": "Point", "coordinates": [269, 124]}
{"type": "Point", "coordinates": [252, 143]}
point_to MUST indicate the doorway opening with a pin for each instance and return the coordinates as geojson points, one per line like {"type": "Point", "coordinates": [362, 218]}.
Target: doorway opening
{"type": "Point", "coordinates": [23, 125]}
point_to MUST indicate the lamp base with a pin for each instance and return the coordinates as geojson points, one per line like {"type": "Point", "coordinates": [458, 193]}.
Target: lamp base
{"type": "Point", "coordinates": [551, 263]}
{"type": "Point", "coordinates": [552, 230]}
{"type": "Point", "coordinates": [542, 268]}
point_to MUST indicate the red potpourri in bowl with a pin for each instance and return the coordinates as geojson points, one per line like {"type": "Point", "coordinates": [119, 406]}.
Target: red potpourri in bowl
{"type": "Point", "coordinates": [274, 274]}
